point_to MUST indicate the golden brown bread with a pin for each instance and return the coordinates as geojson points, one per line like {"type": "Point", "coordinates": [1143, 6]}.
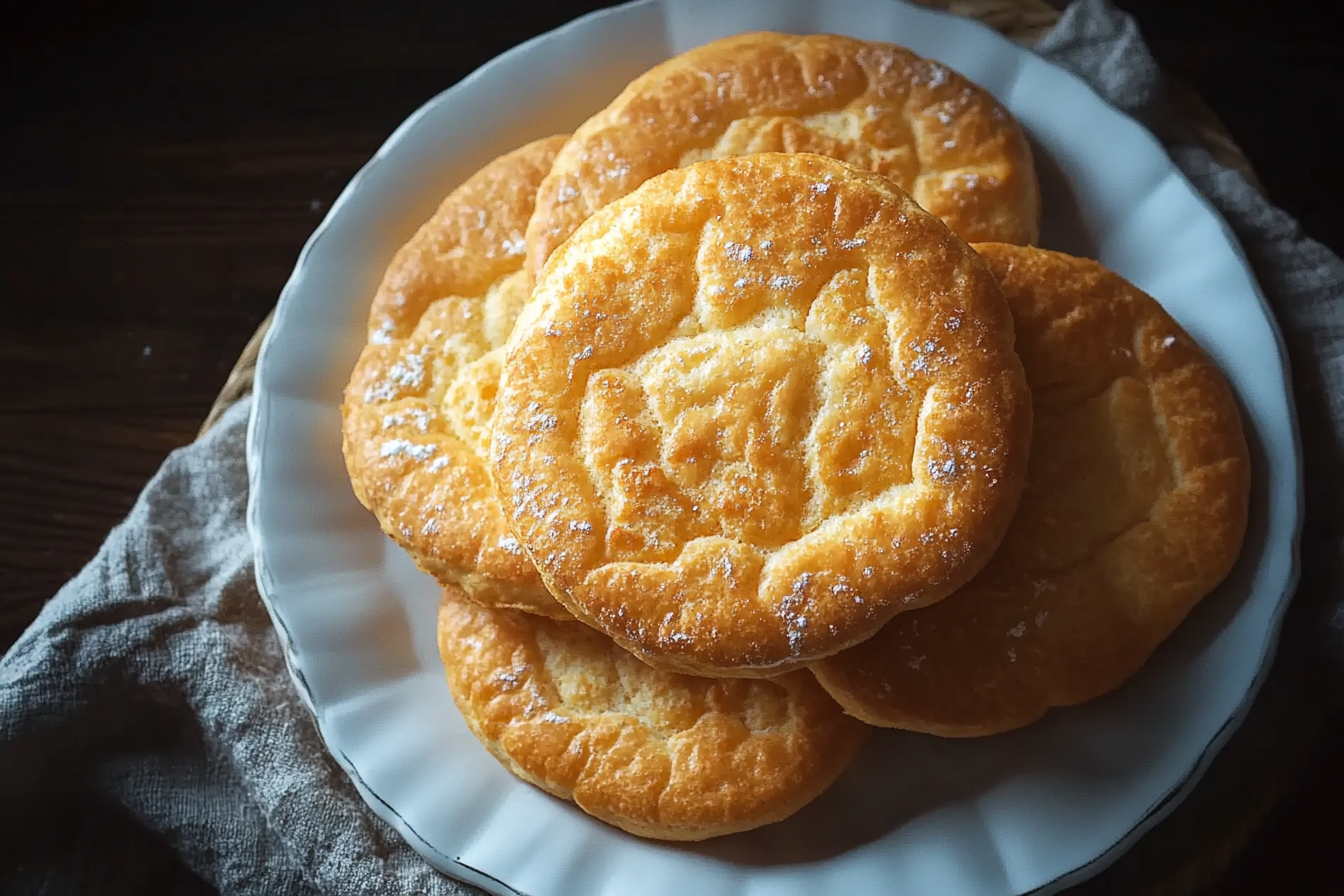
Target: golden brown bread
{"type": "Point", "coordinates": [658, 754]}
{"type": "Point", "coordinates": [940, 137]}
{"type": "Point", "coordinates": [755, 409]}
{"type": "Point", "coordinates": [417, 409]}
{"type": "Point", "coordinates": [1134, 509]}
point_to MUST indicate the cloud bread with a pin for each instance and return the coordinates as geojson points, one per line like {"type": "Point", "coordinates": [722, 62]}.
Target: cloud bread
{"type": "Point", "coordinates": [1134, 509]}
{"type": "Point", "coordinates": [756, 408]}
{"type": "Point", "coordinates": [417, 409]}
{"type": "Point", "coordinates": [658, 754]}
{"type": "Point", "coordinates": [878, 106]}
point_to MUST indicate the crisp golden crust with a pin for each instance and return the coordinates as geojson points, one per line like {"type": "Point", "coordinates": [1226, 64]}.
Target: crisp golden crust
{"type": "Point", "coordinates": [417, 409]}
{"type": "Point", "coordinates": [755, 409]}
{"type": "Point", "coordinates": [1135, 508]}
{"type": "Point", "coordinates": [658, 754]}
{"type": "Point", "coordinates": [878, 106]}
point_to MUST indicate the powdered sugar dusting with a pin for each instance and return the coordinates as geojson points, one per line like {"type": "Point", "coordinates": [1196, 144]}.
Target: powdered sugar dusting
{"type": "Point", "coordinates": [408, 373]}
{"type": "Point", "coordinates": [790, 607]}
{"type": "Point", "coordinates": [738, 251]}
{"type": "Point", "coordinates": [928, 354]}
{"type": "Point", "coordinates": [942, 470]}
{"type": "Point", "coordinates": [509, 543]}
{"type": "Point", "coordinates": [382, 335]}
{"type": "Point", "coordinates": [842, 588]}
{"type": "Point", "coordinates": [398, 447]}
{"type": "Point", "coordinates": [540, 420]}
{"type": "Point", "coordinates": [725, 569]}
{"type": "Point", "coordinates": [784, 281]}
{"type": "Point", "coordinates": [853, 244]}
{"type": "Point", "coordinates": [418, 418]}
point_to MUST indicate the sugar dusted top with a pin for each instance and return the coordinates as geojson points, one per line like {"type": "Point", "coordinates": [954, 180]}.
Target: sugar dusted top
{"type": "Point", "coordinates": [755, 409]}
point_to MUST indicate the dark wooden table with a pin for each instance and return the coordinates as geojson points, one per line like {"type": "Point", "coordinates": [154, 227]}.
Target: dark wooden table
{"type": "Point", "coordinates": [159, 173]}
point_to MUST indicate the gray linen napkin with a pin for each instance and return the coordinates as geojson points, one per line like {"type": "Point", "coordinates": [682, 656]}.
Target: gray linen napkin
{"type": "Point", "coordinates": [154, 682]}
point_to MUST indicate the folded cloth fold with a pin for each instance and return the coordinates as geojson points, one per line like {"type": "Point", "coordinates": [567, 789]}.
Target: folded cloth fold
{"type": "Point", "coordinates": [155, 682]}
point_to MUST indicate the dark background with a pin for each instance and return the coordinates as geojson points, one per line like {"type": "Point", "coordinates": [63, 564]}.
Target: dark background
{"type": "Point", "coordinates": [160, 170]}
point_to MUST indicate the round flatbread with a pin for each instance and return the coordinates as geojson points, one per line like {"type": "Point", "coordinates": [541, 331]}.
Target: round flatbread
{"type": "Point", "coordinates": [877, 106]}
{"type": "Point", "coordinates": [417, 410]}
{"type": "Point", "coordinates": [755, 409]}
{"type": "Point", "coordinates": [657, 754]}
{"type": "Point", "coordinates": [1135, 509]}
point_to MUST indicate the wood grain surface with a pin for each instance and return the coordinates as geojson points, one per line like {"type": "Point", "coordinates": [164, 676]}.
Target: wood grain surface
{"type": "Point", "coordinates": [160, 172]}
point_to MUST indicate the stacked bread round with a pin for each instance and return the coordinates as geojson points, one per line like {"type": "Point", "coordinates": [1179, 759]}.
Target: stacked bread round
{"type": "Point", "coordinates": [747, 418]}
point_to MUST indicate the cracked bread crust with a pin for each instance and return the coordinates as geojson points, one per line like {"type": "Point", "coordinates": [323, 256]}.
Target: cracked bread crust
{"type": "Point", "coordinates": [755, 409]}
{"type": "Point", "coordinates": [417, 409]}
{"type": "Point", "coordinates": [940, 137]}
{"type": "Point", "coordinates": [1135, 508]}
{"type": "Point", "coordinates": [660, 755]}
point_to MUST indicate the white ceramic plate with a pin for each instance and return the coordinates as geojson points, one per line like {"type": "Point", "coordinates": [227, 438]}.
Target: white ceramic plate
{"type": "Point", "coordinates": [1039, 808]}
